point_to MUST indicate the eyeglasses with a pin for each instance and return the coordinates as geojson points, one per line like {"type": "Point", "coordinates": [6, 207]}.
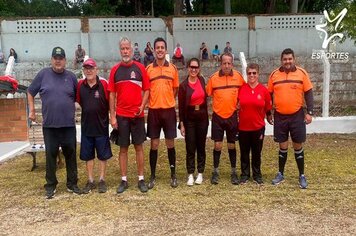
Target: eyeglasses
{"type": "Point", "coordinates": [252, 73]}
{"type": "Point", "coordinates": [194, 67]}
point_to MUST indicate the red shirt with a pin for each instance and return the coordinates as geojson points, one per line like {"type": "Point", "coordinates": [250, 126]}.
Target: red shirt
{"type": "Point", "coordinates": [198, 95]}
{"type": "Point", "coordinates": [128, 81]}
{"type": "Point", "coordinates": [254, 103]}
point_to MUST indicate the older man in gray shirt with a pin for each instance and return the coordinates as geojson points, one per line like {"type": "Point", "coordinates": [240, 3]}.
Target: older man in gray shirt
{"type": "Point", "coordinates": [57, 88]}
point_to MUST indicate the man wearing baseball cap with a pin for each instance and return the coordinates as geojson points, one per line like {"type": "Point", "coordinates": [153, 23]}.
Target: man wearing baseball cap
{"type": "Point", "coordinates": [93, 97]}
{"type": "Point", "coordinates": [57, 87]}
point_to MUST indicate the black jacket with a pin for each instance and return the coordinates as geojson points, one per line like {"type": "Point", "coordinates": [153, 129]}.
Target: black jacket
{"type": "Point", "coordinates": [184, 95]}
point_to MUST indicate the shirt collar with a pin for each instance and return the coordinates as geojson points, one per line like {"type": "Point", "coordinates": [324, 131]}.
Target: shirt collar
{"type": "Point", "coordinates": [293, 69]}
{"type": "Point", "coordinates": [221, 73]}
{"type": "Point", "coordinates": [166, 63]}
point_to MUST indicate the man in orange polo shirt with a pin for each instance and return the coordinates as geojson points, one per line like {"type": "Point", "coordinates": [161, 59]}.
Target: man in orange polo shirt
{"type": "Point", "coordinates": [290, 86]}
{"type": "Point", "coordinates": [223, 86]}
{"type": "Point", "coordinates": [161, 114]}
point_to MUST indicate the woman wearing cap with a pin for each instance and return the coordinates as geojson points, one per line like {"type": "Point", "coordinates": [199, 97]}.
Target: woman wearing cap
{"type": "Point", "coordinates": [193, 117]}
{"type": "Point", "coordinates": [255, 104]}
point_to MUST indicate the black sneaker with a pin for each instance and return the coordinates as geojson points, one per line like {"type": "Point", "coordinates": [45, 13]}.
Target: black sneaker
{"type": "Point", "coordinates": [74, 189]}
{"type": "Point", "coordinates": [244, 180]}
{"type": "Point", "coordinates": [88, 187]}
{"type": "Point", "coordinates": [102, 187]}
{"type": "Point", "coordinates": [258, 181]}
{"type": "Point", "coordinates": [122, 187]}
{"type": "Point", "coordinates": [174, 181]}
{"type": "Point", "coordinates": [152, 182]}
{"type": "Point", "coordinates": [50, 193]}
{"type": "Point", "coordinates": [142, 186]}
{"type": "Point", "coordinates": [234, 178]}
{"type": "Point", "coordinates": [214, 178]}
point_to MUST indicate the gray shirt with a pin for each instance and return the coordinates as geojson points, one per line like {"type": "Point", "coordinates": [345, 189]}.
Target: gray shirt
{"type": "Point", "coordinates": [58, 94]}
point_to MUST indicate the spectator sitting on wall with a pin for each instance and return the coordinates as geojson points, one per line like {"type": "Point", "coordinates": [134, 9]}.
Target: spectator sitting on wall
{"type": "Point", "coordinates": [136, 54]}
{"type": "Point", "coordinates": [79, 56]}
{"type": "Point", "coordinates": [228, 49]}
{"type": "Point", "coordinates": [216, 53]}
{"type": "Point", "coordinates": [148, 59]}
{"type": "Point", "coordinates": [13, 53]}
{"type": "Point", "coordinates": [178, 54]}
{"type": "Point", "coordinates": [204, 52]}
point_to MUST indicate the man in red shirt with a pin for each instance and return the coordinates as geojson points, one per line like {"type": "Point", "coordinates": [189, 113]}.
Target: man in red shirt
{"type": "Point", "coordinates": [128, 80]}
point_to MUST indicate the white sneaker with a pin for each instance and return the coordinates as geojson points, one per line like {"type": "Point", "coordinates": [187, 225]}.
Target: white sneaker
{"type": "Point", "coordinates": [190, 181]}
{"type": "Point", "coordinates": [199, 179]}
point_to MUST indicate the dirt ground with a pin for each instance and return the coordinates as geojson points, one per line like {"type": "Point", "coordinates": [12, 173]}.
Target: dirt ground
{"type": "Point", "coordinates": [327, 207]}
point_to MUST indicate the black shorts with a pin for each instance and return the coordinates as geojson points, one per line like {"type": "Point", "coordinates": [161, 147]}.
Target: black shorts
{"type": "Point", "coordinates": [293, 124]}
{"type": "Point", "coordinates": [101, 144]}
{"type": "Point", "coordinates": [219, 125]}
{"type": "Point", "coordinates": [134, 126]}
{"type": "Point", "coordinates": [165, 119]}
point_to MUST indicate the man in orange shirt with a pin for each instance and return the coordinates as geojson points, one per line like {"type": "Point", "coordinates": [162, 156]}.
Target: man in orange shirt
{"type": "Point", "coordinates": [161, 114]}
{"type": "Point", "coordinates": [290, 86]}
{"type": "Point", "coordinates": [223, 86]}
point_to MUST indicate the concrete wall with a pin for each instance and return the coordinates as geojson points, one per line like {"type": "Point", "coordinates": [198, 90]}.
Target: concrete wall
{"type": "Point", "coordinates": [257, 36]}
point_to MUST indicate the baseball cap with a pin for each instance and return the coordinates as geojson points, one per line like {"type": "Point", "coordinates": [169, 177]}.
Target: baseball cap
{"type": "Point", "coordinates": [58, 51]}
{"type": "Point", "coordinates": [89, 62]}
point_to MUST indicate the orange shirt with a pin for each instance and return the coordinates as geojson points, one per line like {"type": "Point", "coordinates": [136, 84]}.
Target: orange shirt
{"type": "Point", "coordinates": [224, 90]}
{"type": "Point", "coordinates": [288, 89]}
{"type": "Point", "coordinates": [163, 80]}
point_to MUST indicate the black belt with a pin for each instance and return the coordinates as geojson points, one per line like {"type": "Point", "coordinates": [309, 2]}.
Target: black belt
{"type": "Point", "coordinates": [195, 107]}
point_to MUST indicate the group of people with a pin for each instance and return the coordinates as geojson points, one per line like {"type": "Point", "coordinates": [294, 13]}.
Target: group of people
{"type": "Point", "coordinates": [239, 109]}
{"type": "Point", "coordinates": [148, 56]}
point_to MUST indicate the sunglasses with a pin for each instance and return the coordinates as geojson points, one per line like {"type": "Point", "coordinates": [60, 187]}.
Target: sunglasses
{"type": "Point", "coordinates": [252, 73]}
{"type": "Point", "coordinates": [194, 67]}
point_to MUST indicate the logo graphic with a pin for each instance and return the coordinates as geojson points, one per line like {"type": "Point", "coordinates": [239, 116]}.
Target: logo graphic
{"type": "Point", "coordinates": [335, 27]}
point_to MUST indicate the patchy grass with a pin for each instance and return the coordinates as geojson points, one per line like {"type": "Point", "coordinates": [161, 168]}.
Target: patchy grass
{"type": "Point", "coordinates": [326, 207]}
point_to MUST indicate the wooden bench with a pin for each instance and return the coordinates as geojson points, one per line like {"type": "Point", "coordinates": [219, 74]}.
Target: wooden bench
{"type": "Point", "coordinates": [37, 145]}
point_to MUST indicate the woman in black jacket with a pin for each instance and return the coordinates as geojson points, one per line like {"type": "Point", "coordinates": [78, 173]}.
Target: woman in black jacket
{"type": "Point", "coordinates": [193, 119]}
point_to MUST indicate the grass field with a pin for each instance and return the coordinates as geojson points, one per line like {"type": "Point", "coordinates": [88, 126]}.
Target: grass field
{"type": "Point", "coordinates": [327, 207]}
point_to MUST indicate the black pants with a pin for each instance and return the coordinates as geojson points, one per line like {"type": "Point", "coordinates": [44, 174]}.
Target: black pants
{"type": "Point", "coordinates": [66, 139]}
{"type": "Point", "coordinates": [251, 141]}
{"type": "Point", "coordinates": [196, 128]}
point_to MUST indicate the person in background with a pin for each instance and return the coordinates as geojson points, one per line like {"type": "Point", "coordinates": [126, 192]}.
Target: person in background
{"type": "Point", "coordinates": [164, 81]}
{"type": "Point", "coordinates": [2, 56]}
{"type": "Point", "coordinates": [216, 54]}
{"type": "Point", "coordinates": [13, 54]}
{"type": "Point", "coordinates": [228, 48]}
{"type": "Point", "coordinates": [204, 52]}
{"type": "Point", "coordinates": [149, 57]}
{"type": "Point", "coordinates": [136, 53]}
{"type": "Point", "coordinates": [79, 56]}
{"type": "Point", "coordinates": [93, 97]}
{"type": "Point", "coordinates": [290, 86]}
{"type": "Point", "coordinates": [193, 119]}
{"type": "Point", "coordinates": [255, 103]}
{"type": "Point", "coordinates": [223, 87]}
{"type": "Point", "coordinates": [178, 54]}
{"type": "Point", "coordinates": [57, 87]}
{"type": "Point", "coordinates": [129, 91]}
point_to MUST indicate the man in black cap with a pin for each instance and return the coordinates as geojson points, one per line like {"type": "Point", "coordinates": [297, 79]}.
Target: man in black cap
{"type": "Point", "coordinates": [57, 87]}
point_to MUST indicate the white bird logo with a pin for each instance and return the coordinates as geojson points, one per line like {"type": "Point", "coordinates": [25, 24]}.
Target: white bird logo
{"type": "Point", "coordinates": [320, 27]}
